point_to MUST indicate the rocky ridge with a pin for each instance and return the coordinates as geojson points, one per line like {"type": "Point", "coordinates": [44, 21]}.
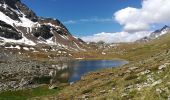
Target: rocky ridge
{"type": "Point", "coordinates": [155, 34]}
{"type": "Point", "coordinates": [21, 25]}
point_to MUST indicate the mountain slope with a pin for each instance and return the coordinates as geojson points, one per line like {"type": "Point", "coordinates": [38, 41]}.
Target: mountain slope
{"type": "Point", "coordinates": [155, 34]}
{"type": "Point", "coordinates": [145, 77]}
{"type": "Point", "coordinates": [19, 24]}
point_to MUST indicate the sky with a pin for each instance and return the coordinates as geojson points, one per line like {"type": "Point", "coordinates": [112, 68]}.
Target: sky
{"type": "Point", "coordinates": [106, 20]}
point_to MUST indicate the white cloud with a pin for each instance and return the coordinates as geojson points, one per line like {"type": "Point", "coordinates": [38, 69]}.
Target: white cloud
{"type": "Point", "coordinates": [97, 20]}
{"type": "Point", "coordinates": [141, 19]}
{"type": "Point", "coordinates": [70, 22]}
{"type": "Point", "coordinates": [101, 20]}
{"type": "Point", "coordinates": [136, 22]}
{"type": "Point", "coordinates": [115, 37]}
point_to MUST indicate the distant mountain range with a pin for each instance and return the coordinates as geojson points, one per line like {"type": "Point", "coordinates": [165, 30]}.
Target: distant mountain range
{"type": "Point", "coordinates": [20, 25]}
{"type": "Point", "coordinates": [155, 34]}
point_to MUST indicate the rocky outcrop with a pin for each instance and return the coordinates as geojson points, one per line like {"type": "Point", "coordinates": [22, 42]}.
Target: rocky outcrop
{"type": "Point", "coordinates": [18, 22]}
{"type": "Point", "coordinates": [155, 34]}
{"type": "Point", "coordinates": [43, 31]}
{"type": "Point", "coordinates": [17, 73]}
{"type": "Point", "coordinates": [7, 31]}
{"type": "Point", "coordinates": [12, 9]}
{"type": "Point", "coordinates": [160, 32]}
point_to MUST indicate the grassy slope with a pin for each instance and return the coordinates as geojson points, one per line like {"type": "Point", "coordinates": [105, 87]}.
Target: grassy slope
{"type": "Point", "coordinates": [129, 51]}
{"type": "Point", "coordinates": [119, 83]}
{"type": "Point", "coordinates": [28, 93]}
{"type": "Point", "coordinates": [140, 79]}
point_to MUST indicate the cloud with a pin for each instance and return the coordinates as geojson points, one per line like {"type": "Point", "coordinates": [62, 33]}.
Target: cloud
{"type": "Point", "coordinates": [70, 22]}
{"type": "Point", "coordinates": [97, 20]}
{"type": "Point", "coordinates": [115, 37]}
{"type": "Point", "coordinates": [100, 20]}
{"type": "Point", "coordinates": [141, 19]}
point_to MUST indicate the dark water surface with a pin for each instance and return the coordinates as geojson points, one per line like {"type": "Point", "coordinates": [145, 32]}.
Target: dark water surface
{"type": "Point", "coordinates": [72, 72]}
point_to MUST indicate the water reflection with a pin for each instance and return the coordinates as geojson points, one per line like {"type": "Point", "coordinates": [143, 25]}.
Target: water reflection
{"type": "Point", "coordinates": [62, 73]}
{"type": "Point", "coordinates": [72, 71]}
{"type": "Point", "coordinates": [84, 67]}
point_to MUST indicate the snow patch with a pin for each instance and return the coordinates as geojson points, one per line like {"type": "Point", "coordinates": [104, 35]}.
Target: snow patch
{"type": "Point", "coordinates": [25, 22]}
{"type": "Point", "coordinates": [24, 40]}
{"type": "Point", "coordinates": [25, 48]}
{"type": "Point", "coordinates": [13, 47]}
{"type": "Point", "coordinates": [50, 41]}
{"type": "Point", "coordinates": [52, 25]}
{"type": "Point", "coordinates": [77, 45]}
{"type": "Point", "coordinates": [64, 37]}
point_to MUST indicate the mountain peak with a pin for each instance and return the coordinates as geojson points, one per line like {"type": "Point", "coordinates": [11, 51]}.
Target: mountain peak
{"type": "Point", "coordinates": [165, 27]}
{"type": "Point", "coordinates": [160, 32]}
{"type": "Point", "coordinates": [11, 3]}
{"type": "Point", "coordinates": [156, 34]}
{"type": "Point", "coordinates": [20, 24]}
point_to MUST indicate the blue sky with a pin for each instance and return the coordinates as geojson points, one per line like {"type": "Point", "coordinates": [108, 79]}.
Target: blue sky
{"type": "Point", "coordinates": [106, 20]}
{"type": "Point", "coordinates": [83, 17]}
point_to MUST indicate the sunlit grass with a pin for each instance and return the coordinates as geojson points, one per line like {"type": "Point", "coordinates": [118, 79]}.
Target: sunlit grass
{"type": "Point", "coordinates": [28, 93]}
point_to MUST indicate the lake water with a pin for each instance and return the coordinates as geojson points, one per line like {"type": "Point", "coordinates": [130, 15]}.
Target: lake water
{"type": "Point", "coordinates": [71, 72]}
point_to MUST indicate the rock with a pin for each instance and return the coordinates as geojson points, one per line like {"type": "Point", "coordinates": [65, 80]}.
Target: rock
{"type": "Point", "coordinates": [7, 31]}
{"type": "Point", "coordinates": [133, 68]}
{"type": "Point", "coordinates": [103, 53]}
{"type": "Point", "coordinates": [103, 91]}
{"type": "Point", "coordinates": [168, 97]}
{"type": "Point", "coordinates": [71, 83]}
{"type": "Point", "coordinates": [145, 72]}
{"type": "Point", "coordinates": [113, 88]}
{"type": "Point", "coordinates": [51, 73]}
{"type": "Point", "coordinates": [156, 82]}
{"type": "Point", "coordinates": [85, 96]}
{"type": "Point", "coordinates": [52, 87]}
{"type": "Point", "coordinates": [158, 90]}
{"type": "Point", "coordinates": [150, 79]}
{"type": "Point", "coordinates": [43, 31]}
{"type": "Point", "coordinates": [162, 67]}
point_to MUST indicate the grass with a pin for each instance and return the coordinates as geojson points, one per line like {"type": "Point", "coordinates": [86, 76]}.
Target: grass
{"type": "Point", "coordinates": [128, 51]}
{"type": "Point", "coordinates": [144, 56]}
{"type": "Point", "coordinates": [29, 93]}
{"type": "Point", "coordinates": [131, 77]}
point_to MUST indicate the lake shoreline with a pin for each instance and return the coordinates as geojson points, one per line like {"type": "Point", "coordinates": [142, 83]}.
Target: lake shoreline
{"type": "Point", "coordinates": [59, 85]}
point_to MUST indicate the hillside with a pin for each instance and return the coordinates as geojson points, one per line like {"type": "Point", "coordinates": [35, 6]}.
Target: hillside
{"type": "Point", "coordinates": [145, 77]}
{"type": "Point", "coordinates": [31, 46]}
{"type": "Point", "coordinates": [36, 57]}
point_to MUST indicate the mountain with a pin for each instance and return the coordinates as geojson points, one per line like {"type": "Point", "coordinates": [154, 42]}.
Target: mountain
{"type": "Point", "coordinates": [20, 25]}
{"type": "Point", "coordinates": [145, 77]}
{"type": "Point", "coordinates": [160, 32]}
{"type": "Point", "coordinates": [155, 34]}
